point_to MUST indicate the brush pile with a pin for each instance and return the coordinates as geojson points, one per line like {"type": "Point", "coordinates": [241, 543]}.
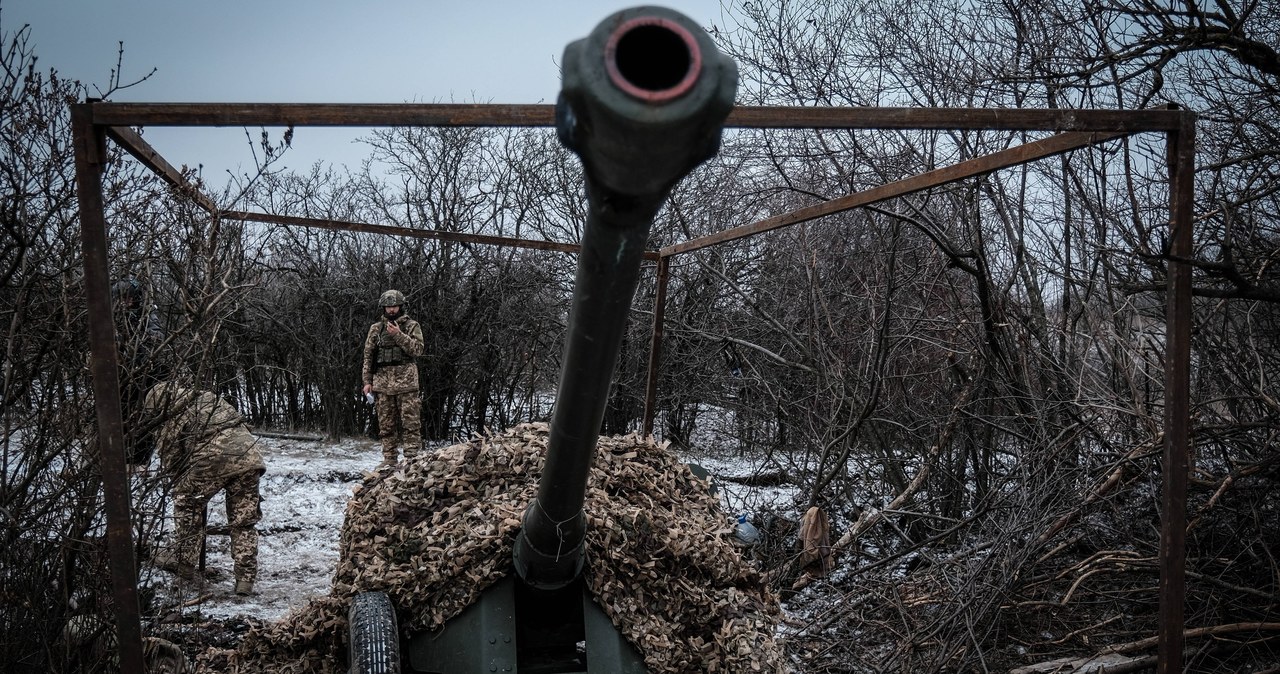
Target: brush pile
{"type": "Point", "coordinates": [438, 530]}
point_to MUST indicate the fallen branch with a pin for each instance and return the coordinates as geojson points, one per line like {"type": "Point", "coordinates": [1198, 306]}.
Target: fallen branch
{"type": "Point", "coordinates": [1113, 659]}
{"type": "Point", "coordinates": [288, 436]}
{"type": "Point", "coordinates": [1212, 631]}
{"type": "Point", "coordinates": [1225, 485]}
{"type": "Point", "coordinates": [198, 600]}
{"type": "Point", "coordinates": [1093, 664]}
{"type": "Point", "coordinates": [771, 478]}
{"type": "Point", "coordinates": [1098, 493]}
{"type": "Point", "coordinates": [1084, 630]}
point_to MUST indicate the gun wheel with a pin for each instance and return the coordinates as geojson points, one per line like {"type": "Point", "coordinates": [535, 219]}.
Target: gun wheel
{"type": "Point", "coordinates": [375, 641]}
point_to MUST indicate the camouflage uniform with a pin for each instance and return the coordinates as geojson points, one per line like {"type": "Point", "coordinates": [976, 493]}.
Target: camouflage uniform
{"type": "Point", "coordinates": [390, 368]}
{"type": "Point", "coordinates": [205, 447]}
{"type": "Point", "coordinates": [91, 641]}
{"type": "Point", "coordinates": [139, 337]}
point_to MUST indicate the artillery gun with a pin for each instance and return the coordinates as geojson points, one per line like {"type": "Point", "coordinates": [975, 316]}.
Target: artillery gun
{"type": "Point", "coordinates": [643, 101]}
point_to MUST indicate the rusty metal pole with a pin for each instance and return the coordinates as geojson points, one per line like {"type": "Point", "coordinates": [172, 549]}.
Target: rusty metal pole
{"type": "Point", "coordinates": [1177, 405]}
{"type": "Point", "coordinates": [655, 344]}
{"type": "Point", "coordinates": [90, 148]}
{"type": "Point", "coordinates": [204, 539]}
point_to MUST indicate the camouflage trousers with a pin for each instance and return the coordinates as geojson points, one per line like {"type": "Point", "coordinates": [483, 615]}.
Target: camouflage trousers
{"type": "Point", "coordinates": [91, 641]}
{"type": "Point", "coordinates": [399, 424]}
{"type": "Point", "coordinates": [244, 510]}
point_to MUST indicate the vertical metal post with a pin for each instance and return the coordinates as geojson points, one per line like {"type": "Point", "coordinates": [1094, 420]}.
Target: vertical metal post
{"type": "Point", "coordinates": [655, 344]}
{"type": "Point", "coordinates": [204, 539]}
{"type": "Point", "coordinates": [90, 149]}
{"type": "Point", "coordinates": [1177, 406]}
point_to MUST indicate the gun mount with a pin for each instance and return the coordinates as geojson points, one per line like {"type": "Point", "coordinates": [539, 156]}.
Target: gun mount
{"type": "Point", "coordinates": [643, 101]}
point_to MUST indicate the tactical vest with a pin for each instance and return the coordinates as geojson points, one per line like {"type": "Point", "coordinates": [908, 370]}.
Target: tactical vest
{"type": "Point", "coordinates": [389, 353]}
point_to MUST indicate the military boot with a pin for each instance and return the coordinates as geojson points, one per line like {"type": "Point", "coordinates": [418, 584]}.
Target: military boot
{"type": "Point", "coordinates": [169, 560]}
{"type": "Point", "coordinates": [390, 457]}
{"type": "Point", "coordinates": [244, 587]}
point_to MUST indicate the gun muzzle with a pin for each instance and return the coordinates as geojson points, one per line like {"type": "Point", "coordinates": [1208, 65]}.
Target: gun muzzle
{"type": "Point", "coordinates": [643, 101]}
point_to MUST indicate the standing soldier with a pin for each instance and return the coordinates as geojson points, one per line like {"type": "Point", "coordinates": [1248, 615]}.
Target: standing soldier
{"type": "Point", "coordinates": [138, 341]}
{"type": "Point", "coordinates": [205, 447]}
{"type": "Point", "coordinates": [391, 372]}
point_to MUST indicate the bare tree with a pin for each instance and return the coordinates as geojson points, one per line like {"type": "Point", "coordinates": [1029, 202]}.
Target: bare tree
{"type": "Point", "coordinates": [1051, 295]}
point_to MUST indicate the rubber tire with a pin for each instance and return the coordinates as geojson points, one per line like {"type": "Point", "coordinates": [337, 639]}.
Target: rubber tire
{"type": "Point", "coordinates": [375, 639]}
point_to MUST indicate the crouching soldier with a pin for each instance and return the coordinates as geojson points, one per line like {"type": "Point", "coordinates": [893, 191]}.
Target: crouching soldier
{"type": "Point", "coordinates": [205, 447]}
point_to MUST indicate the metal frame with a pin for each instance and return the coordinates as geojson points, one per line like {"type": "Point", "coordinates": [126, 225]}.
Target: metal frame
{"type": "Point", "coordinates": [95, 121]}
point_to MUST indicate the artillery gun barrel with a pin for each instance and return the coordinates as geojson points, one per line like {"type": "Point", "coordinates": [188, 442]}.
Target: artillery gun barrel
{"type": "Point", "coordinates": [643, 101]}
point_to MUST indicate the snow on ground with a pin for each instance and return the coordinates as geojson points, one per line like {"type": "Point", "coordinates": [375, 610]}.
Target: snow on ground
{"type": "Point", "coordinates": [746, 484]}
{"type": "Point", "coordinates": [305, 492]}
{"type": "Point", "coordinates": [729, 471]}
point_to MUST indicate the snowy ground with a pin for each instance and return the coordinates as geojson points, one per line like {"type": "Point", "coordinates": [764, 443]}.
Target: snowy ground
{"type": "Point", "coordinates": [305, 491]}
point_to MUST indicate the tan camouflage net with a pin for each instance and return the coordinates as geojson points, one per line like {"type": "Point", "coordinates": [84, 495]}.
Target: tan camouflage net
{"type": "Point", "coordinates": [439, 530]}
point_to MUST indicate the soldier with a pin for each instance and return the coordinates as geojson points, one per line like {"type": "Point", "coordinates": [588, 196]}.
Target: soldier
{"type": "Point", "coordinates": [391, 372]}
{"type": "Point", "coordinates": [138, 341]}
{"type": "Point", "coordinates": [205, 447]}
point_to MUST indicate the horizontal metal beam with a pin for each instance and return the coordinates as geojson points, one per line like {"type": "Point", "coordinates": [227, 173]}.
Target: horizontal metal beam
{"type": "Point", "coordinates": [320, 114]}
{"type": "Point", "coordinates": [954, 118]}
{"type": "Point", "coordinates": [759, 117]}
{"type": "Point", "coordinates": [1013, 156]}
{"type": "Point", "coordinates": [462, 237]}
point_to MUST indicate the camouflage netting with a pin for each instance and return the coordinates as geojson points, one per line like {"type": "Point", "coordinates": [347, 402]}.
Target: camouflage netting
{"type": "Point", "coordinates": [439, 530]}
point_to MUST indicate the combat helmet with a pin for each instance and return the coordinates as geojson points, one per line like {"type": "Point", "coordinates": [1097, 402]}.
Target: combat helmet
{"type": "Point", "coordinates": [127, 293]}
{"type": "Point", "coordinates": [391, 298]}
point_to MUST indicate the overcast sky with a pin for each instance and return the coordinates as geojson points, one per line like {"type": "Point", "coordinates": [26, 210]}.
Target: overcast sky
{"type": "Point", "coordinates": [312, 51]}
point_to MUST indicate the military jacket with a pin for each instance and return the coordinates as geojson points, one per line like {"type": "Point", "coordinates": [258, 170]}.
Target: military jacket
{"type": "Point", "coordinates": [201, 435]}
{"type": "Point", "coordinates": [390, 364]}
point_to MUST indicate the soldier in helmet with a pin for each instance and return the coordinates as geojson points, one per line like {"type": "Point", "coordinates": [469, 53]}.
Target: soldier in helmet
{"type": "Point", "coordinates": [391, 373]}
{"type": "Point", "coordinates": [138, 341]}
{"type": "Point", "coordinates": [205, 447]}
